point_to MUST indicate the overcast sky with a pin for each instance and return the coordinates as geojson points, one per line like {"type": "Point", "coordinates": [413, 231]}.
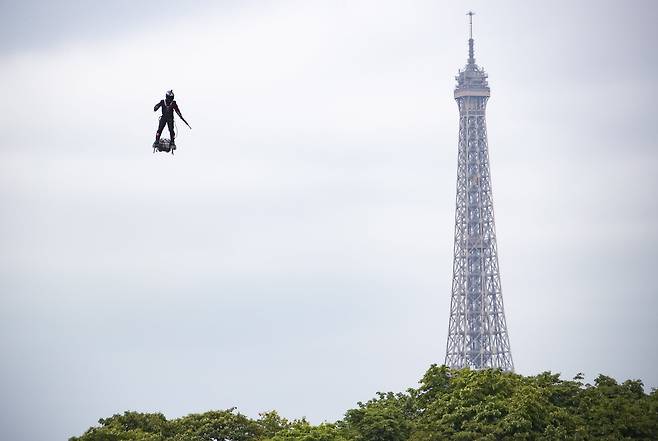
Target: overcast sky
{"type": "Point", "coordinates": [296, 252]}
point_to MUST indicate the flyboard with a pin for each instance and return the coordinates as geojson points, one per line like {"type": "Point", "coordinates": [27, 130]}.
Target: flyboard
{"type": "Point", "coordinates": [164, 145]}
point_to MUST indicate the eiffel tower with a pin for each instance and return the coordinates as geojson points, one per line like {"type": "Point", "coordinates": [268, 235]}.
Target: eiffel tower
{"type": "Point", "coordinates": [477, 333]}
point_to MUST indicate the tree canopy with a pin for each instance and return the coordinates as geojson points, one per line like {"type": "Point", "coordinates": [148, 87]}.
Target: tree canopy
{"type": "Point", "coordinates": [460, 405]}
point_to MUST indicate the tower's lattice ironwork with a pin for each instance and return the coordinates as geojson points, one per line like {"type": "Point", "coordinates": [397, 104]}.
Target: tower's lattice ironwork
{"type": "Point", "coordinates": [477, 334]}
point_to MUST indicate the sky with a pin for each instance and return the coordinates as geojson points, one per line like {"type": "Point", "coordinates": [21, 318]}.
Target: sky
{"type": "Point", "coordinates": [296, 251]}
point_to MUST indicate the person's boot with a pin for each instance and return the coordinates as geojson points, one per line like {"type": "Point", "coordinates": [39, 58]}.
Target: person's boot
{"type": "Point", "coordinates": [172, 144]}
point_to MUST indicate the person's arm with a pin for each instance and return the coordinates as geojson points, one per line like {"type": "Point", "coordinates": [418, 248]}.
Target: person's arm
{"type": "Point", "coordinates": [157, 106]}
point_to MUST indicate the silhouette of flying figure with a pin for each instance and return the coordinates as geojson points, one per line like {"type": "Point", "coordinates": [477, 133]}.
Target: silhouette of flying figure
{"type": "Point", "coordinates": [168, 106]}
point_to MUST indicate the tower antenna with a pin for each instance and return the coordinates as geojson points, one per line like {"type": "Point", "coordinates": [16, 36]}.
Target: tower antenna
{"type": "Point", "coordinates": [471, 52]}
{"type": "Point", "coordinates": [470, 20]}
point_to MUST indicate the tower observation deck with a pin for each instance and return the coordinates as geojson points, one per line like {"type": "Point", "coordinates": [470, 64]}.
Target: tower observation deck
{"type": "Point", "coordinates": [477, 332]}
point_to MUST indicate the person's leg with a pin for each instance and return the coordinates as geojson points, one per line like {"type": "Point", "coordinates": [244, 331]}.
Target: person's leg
{"type": "Point", "coordinates": [170, 125]}
{"type": "Point", "coordinates": [160, 128]}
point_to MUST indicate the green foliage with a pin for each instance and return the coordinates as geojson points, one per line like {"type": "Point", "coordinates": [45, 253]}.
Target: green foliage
{"type": "Point", "coordinates": [615, 411]}
{"type": "Point", "coordinates": [459, 405]}
{"type": "Point", "coordinates": [496, 405]}
{"type": "Point", "coordinates": [271, 423]}
{"type": "Point", "coordinates": [221, 425]}
{"type": "Point", "coordinates": [388, 417]}
{"type": "Point", "coordinates": [302, 430]}
{"type": "Point", "coordinates": [129, 426]}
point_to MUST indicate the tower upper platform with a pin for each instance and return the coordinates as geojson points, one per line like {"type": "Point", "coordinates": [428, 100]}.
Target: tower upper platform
{"type": "Point", "coordinates": [472, 80]}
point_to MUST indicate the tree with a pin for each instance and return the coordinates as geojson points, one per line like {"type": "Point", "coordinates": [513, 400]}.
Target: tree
{"type": "Point", "coordinates": [459, 405]}
{"type": "Point", "coordinates": [271, 423]}
{"type": "Point", "coordinates": [129, 426]}
{"type": "Point", "coordinates": [492, 405]}
{"type": "Point", "coordinates": [389, 417]}
{"type": "Point", "coordinates": [302, 430]}
{"type": "Point", "coordinates": [217, 425]}
{"type": "Point", "coordinates": [615, 411]}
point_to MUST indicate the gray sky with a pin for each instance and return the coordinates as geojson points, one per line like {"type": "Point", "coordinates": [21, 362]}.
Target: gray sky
{"type": "Point", "coordinates": [296, 253]}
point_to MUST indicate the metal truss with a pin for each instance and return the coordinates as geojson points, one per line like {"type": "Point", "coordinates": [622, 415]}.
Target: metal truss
{"type": "Point", "coordinates": [477, 332]}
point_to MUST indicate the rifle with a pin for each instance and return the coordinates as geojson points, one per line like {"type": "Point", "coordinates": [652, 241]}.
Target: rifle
{"type": "Point", "coordinates": [181, 117]}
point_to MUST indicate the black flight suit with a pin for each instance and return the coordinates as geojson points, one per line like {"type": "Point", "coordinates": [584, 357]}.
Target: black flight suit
{"type": "Point", "coordinates": [168, 108]}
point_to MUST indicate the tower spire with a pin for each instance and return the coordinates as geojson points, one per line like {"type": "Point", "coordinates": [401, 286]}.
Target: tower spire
{"type": "Point", "coordinates": [470, 19]}
{"type": "Point", "coordinates": [471, 52]}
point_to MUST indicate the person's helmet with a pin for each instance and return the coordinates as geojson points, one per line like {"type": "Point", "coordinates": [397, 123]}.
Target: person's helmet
{"type": "Point", "coordinates": [170, 95]}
